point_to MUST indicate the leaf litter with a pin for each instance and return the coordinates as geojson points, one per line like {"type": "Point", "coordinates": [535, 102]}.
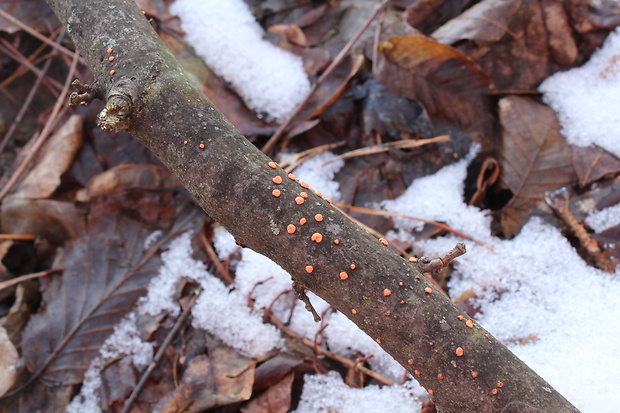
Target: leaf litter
{"type": "Point", "coordinates": [512, 287]}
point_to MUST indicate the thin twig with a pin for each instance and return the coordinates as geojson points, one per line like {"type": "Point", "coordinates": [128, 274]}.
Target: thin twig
{"type": "Point", "coordinates": [17, 237]}
{"type": "Point", "coordinates": [22, 278]}
{"type": "Point", "coordinates": [25, 105]}
{"type": "Point", "coordinates": [38, 35]}
{"type": "Point", "coordinates": [160, 353]}
{"type": "Point", "coordinates": [278, 134]}
{"type": "Point", "coordinates": [294, 161]}
{"type": "Point", "coordinates": [41, 139]}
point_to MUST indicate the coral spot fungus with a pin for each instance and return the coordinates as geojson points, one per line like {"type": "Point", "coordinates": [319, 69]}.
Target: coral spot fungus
{"type": "Point", "coordinates": [272, 165]}
{"type": "Point", "coordinates": [440, 376]}
{"type": "Point", "coordinates": [460, 317]}
{"type": "Point", "coordinates": [299, 200]}
{"type": "Point", "coordinates": [469, 323]}
{"type": "Point", "coordinates": [428, 290]}
{"type": "Point", "coordinates": [336, 241]}
{"type": "Point", "coordinates": [316, 237]}
{"type": "Point", "coordinates": [352, 266]}
{"type": "Point", "coordinates": [111, 58]}
{"type": "Point", "coordinates": [459, 351]}
{"type": "Point", "coordinates": [112, 72]}
{"type": "Point", "coordinates": [387, 292]}
{"type": "Point", "coordinates": [303, 195]}
{"type": "Point", "coordinates": [494, 391]}
{"type": "Point", "coordinates": [276, 193]}
{"type": "Point", "coordinates": [474, 374]}
{"type": "Point", "coordinates": [303, 221]}
{"type": "Point", "coordinates": [109, 51]}
{"type": "Point", "coordinates": [304, 184]}
{"type": "Point", "coordinates": [410, 362]}
{"type": "Point", "coordinates": [318, 217]}
{"type": "Point", "coordinates": [344, 275]}
{"type": "Point", "coordinates": [292, 177]}
{"type": "Point", "coordinates": [413, 259]}
{"type": "Point", "coordinates": [202, 146]}
{"type": "Point", "coordinates": [383, 241]}
{"type": "Point", "coordinates": [354, 311]}
{"type": "Point", "coordinates": [309, 269]}
{"type": "Point", "coordinates": [277, 179]}
{"type": "Point", "coordinates": [290, 228]}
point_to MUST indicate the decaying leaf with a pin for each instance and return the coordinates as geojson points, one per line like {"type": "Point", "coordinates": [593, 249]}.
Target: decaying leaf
{"type": "Point", "coordinates": [534, 158]}
{"type": "Point", "coordinates": [448, 84]}
{"type": "Point", "coordinates": [8, 362]}
{"type": "Point", "coordinates": [517, 42]}
{"type": "Point", "coordinates": [277, 399]}
{"type": "Point", "coordinates": [57, 156]}
{"type": "Point", "coordinates": [106, 271]}
{"type": "Point", "coordinates": [221, 378]}
{"type": "Point", "coordinates": [592, 164]}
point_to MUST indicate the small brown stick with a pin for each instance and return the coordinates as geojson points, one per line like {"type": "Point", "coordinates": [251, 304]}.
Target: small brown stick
{"type": "Point", "coordinates": [278, 134]}
{"type": "Point", "coordinates": [300, 292]}
{"type": "Point", "coordinates": [17, 237]}
{"type": "Point", "coordinates": [558, 201]}
{"type": "Point", "coordinates": [160, 353]}
{"type": "Point", "coordinates": [41, 139]}
{"type": "Point", "coordinates": [22, 278]}
{"type": "Point", "coordinates": [294, 161]}
{"type": "Point", "coordinates": [427, 265]}
{"type": "Point", "coordinates": [308, 343]}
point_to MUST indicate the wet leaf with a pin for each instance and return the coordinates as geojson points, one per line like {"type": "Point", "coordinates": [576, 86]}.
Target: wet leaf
{"type": "Point", "coordinates": [290, 32]}
{"type": "Point", "coordinates": [106, 271]}
{"type": "Point", "coordinates": [427, 15]}
{"type": "Point", "coordinates": [277, 399]}
{"type": "Point", "coordinates": [221, 378]}
{"type": "Point", "coordinates": [534, 158]}
{"type": "Point", "coordinates": [449, 85]}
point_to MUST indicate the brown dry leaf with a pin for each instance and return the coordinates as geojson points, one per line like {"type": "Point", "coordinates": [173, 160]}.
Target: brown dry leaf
{"type": "Point", "coordinates": [56, 159]}
{"type": "Point", "coordinates": [534, 158]}
{"type": "Point", "coordinates": [448, 84]}
{"type": "Point", "coordinates": [55, 221]}
{"type": "Point", "coordinates": [221, 378]}
{"type": "Point", "coordinates": [290, 32]}
{"type": "Point", "coordinates": [517, 42]}
{"type": "Point", "coordinates": [8, 362]}
{"type": "Point", "coordinates": [106, 271]}
{"type": "Point", "coordinates": [592, 164]}
{"type": "Point", "coordinates": [427, 15]}
{"type": "Point", "coordinates": [34, 13]}
{"type": "Point", "coordinates": [277, 399]}
{"type": "Point", "coordinates": [132, 177]}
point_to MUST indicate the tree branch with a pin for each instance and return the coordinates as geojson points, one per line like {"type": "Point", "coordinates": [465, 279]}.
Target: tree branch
{"type": "Point", "coordinates": [148, 93]}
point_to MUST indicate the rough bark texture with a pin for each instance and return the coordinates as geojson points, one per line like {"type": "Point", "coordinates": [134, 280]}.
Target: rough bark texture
{"type": "Point", "coordinates": [232, 182]}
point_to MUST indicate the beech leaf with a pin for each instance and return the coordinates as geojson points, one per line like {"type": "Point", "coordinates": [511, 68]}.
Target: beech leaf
{"type": "Point", "coordinates": [534, 158]}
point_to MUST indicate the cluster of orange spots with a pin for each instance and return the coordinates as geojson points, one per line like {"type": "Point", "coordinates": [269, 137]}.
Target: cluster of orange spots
{"type": "Point", "coordinates": [318, 217]}
{"type": "Point", "coordinates": [344, 275]}
{"type": "Point", "coordinates": [388, 313]}
{"type": "Point", "coordinates": [309, 269]}
{"type": "Point", "coordinates": [416, 372]}
{"type": "Point", "coordinates": [387, 292]}
{"type": "Point", "coordinates": [292, 177]}
{"type": "Point", "coordinates": [328, 200]}
{"type": "Point", "coordinates": [290, 228]}
{"type": "Point", "coordinates": [299, 200]}
{"type": "Point", "coordinates": [303, 221]}
{"type": "Point", "coordinates": [383, 241]}
{"type": "Point", "coordinates": [316, 237]}
{"type": "Point", "coordinates": [202, 146]}
{"type": "Point", "coordinates": [320, 195]}
{"type": "Point", "coordinates": [500, 384]}
{"type": "Point", "coordinates": [428, 290]}
{"type": "Point", "coordinates": [352, 266]}
{"type": "Point", "coordinates": [474, 374]}
{"type": "Point", "coordinates": [440, 376]}
{"type": "Point", "coordinates": [336, 241]}
{"type": "Point", "coordinates": [460, 318]}
{"type": "Point", "coordinates": [277, 179]}
{"type": "Point", "coordinates": [494, 391]}
{"type": "Point", "coordinates": [272, 165]}
{"type": "Point", "coordinates": [276, 193]}
{"type": "Point", "coordinates": [354, 311]}
{"type": "Point", "coordinates": [469, 323]}
{"type": "Point", "coordinates": [304, 195]}
{"type": "Point", "coordinates": [431, 392]}
{"type": "Point", "coordinates": [410, 362]}
{"type": "Point", "coordinates": [413, 259]}
{"type": "Point", "coordinates": [304, 184]}
{"type": "Point", "coordinates": [459, 351]}
{"type": "Point", "coordinates": [379, 341]}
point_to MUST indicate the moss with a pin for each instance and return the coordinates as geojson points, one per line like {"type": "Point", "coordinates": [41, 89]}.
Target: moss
{"type": "Point", "coordinates": [151, 92]}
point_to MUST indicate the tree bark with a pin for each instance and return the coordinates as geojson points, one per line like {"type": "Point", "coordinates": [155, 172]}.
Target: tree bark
{"type": "Point", "coordinates": [147, 92]}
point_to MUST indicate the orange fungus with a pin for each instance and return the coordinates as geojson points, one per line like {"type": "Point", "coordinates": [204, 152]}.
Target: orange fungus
{"type": "Point", "coordinates": [276, 193]}
{"type": "Point", "coordinates": [344, 275]}
{"type": "Point", "coordinates": [387, 292]}
{"type": "Point", "coordinates": [459, 351]}
{"type": "Point", "coordinates": [291, 228]}
{"type": "Point", "coordinates": [277, 179]}
{"type": "Point", "coordinates": [309, 268]}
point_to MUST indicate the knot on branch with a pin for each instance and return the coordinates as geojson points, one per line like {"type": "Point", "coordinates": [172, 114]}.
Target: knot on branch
{"type": "Point", "coordinates": [116, 113]}
{"type": "Point", "coordinates": [433, 265]}
{"type": "Point", "coordinates": [85, 93]}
